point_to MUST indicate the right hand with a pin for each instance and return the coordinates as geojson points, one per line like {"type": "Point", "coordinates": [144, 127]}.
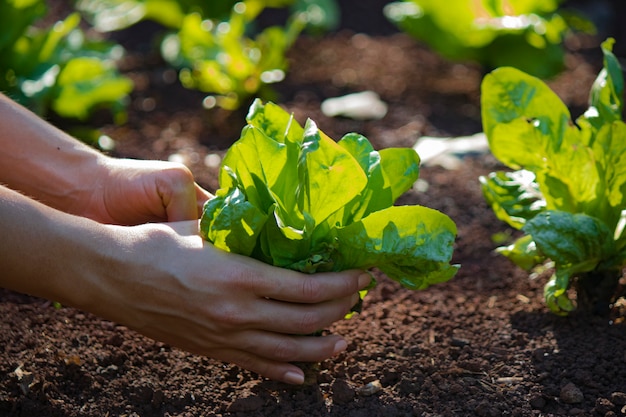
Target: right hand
{"type": "Point", "coordinates": [181, 290]}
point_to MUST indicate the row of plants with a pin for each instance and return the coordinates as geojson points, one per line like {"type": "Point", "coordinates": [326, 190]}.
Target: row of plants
{"type": "Point", "coordinates": [57, 67]}
{"type": "Point", "coordinates": [313, 204]}
{"type": "Point", "coordinates": [292, 197]}
{"type": "Point", "coordinates": [218, 47]}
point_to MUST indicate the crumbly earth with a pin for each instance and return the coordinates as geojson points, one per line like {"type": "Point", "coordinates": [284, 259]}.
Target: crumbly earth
{"type": "Point", "coordinates": [482, 344]}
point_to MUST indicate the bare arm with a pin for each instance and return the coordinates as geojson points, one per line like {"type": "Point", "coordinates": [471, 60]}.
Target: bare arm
{"type": "Point", "coordinates": [45, 163]}
{"type": "Point", "coordinates": [167, 283]}
{"type": "Point", "coordinates": [162, 280]}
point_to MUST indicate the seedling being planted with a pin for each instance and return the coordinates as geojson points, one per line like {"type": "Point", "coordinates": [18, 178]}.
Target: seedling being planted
{"type": "Point", "coordinates": [567, 190]}
{"type": "Point", "coordinates": [292, 197]}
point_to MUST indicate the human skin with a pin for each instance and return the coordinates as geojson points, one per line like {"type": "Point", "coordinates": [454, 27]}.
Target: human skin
{"type": "Point", "coordinates": [119, 238]}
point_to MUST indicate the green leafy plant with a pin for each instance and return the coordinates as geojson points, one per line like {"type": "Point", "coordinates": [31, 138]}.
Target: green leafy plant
{"type": "Point", "coordinates": [57, 68]}
{"type": "Point", "coordinates": [567, 193]}
{"type": "Point", "coordinates": [220, 58]}
{"type": "Point", "coordinates": [216, 46]}
{"type": "Point", "coordinates": [292, 197]}
{"type": "Point", "coordinates": [110, 15]}
{"type": "Point", "coordinates": [526, 34]}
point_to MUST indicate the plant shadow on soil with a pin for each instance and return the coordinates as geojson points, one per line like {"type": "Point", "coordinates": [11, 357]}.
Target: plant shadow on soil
{"type": "Point", "coordinates": [482, 344]}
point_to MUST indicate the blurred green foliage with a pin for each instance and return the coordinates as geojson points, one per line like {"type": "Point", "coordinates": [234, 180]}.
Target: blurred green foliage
{"type": "Point", "coordinates": [525, 34]}
{"type": "Point", "coordinates": [221, 59]}
{"type": "Point", "coordinates": [217, 46]}
{"type": "Point", "coordinates": [57, 67]}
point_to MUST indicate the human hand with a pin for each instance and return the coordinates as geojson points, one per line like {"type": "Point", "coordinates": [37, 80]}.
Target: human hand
{"type": "Point", "coordinates": [179, 289]}
{"type": "Point", "coordinates": [130, 192]}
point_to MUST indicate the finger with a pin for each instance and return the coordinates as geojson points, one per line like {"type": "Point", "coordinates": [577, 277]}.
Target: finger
{"type": "Point", "coordinates": [178, 194]}
{"type": "Point", "coordinates": [312, 288]}
{"type": "Point", "coordinates": [288, 348]}
{"type": "Point", "coordinates": [277, 371]}
{"type": "Point", "coordinates": [273, 354]}
{"type": "Point", "coordinates": [202, 196]}
{"type": "Point", "coordinates": [299, 319]}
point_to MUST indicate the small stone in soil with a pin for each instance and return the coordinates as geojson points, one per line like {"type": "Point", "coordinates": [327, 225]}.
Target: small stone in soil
{"type": "Point", "coordinates": [571, 394]}
{"type": "Point", "coordinates": [370, 388]}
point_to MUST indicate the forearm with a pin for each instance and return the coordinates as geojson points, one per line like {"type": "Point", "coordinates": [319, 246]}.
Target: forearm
{"type": "Point", "coordinates": [44, 162]}
{"type": "Point", "coordinates": [167, 283]}
{"type": "Point", "coordinates": [50, 254]}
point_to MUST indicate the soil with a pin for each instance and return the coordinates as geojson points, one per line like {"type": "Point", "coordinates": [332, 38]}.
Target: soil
{"type": "Point", "coordinates": [482, 344]}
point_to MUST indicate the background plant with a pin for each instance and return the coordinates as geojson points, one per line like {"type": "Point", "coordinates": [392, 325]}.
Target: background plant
{"type": "Point", "coordinates": [218, 47]}
{"type": "Point", "coordinates": [525, 34]}
{"type": "Point", "coordinates": [568, 191]}
{"type": "Point", "coordinates": [57, 68]}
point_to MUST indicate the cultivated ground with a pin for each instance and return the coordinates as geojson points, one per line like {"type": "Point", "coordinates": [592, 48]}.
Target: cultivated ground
{"type": "Point", "coordinates": [482, 344]}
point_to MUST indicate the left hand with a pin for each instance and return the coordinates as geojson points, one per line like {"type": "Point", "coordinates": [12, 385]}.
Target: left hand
{"type": "Point", "coordinates": [131, 192]}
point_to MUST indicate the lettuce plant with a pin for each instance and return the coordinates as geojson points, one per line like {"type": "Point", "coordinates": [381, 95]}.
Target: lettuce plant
{"type": "Point", "coordinates": [292, 197]}
{"type": "Point", "coordinates": [567, 190]}
{"type": "Point", "coordinates": [217, 46]}
{"type": "Point", "coordinates": [221, 58]}
{"type": "Point", "coordinates": [526, 34]}
{"type": "Point", "coordinates": [57, 68]}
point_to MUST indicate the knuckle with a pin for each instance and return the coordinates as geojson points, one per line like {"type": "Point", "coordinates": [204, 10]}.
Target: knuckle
{"type": "Point", "coordinates": [285, 350]}
{"type": "Point", "coordinates": [349, 285]}
{"type": "Point", "coordinates": [310, 322]}
{"type": "Point", "coordinates": [312, 289]}
{"type": "Point", "coordinates": [178, 177]}
{"type": "Point", "coordinates": [180, 171]}
{"type": "Point", "coordinates": [228, 317]}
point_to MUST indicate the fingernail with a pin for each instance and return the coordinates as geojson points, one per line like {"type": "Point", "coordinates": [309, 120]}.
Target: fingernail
{"type": "Point", "coordinates": [340, 346]}
{"type": "Point", "coordinates": [294, 378]}
{"type": "Point", "coordinates": [365, 280]}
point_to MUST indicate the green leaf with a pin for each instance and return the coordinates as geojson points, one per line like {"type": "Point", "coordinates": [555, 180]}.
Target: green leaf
{"type": "Point", "coordinates": [526, 34]}
{"type": "Point", "coordinates": [275, 122]}
{"type": "Point", "coordinates": [555, 294]}
{"type": "Point", "coordinates": [390, 173]}
{"type": "Point", "coordinates": [296, 194]}
{"type": "Point", "coordinates": [609, 149]}
{"type": "Point", "coordinates": [523, 119]}
{"type": "Point", "coordinates": [401, 169]}
{"type": "Point", "coordinates": [87, 83]}
{"type": "Point", "coordinates": [577, 242]}
{"type": "Point", "coordinates": [411, 244]}
{"type": "Point", "coordinates": [523, 253]}
{"type": "Point", "coordinates": [231, 222]}
{"type": "Point", "coordinates": [514, 196]}
{"type": "Point", "coordinates": [259, 163]}
{"type": "Point", "coordinates": [329, 176]}
{"type": "Point", "coordinates": [375, 195]}
{"type": "Point", "coordinates": [606, 97]}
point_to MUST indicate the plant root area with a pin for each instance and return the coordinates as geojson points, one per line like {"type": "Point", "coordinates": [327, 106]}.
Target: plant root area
{"type": "Point", "coordinates": [482, 344]}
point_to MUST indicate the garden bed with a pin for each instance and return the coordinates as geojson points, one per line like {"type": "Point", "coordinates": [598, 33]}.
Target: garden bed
{"type": "Point", "coordinates": [482, 344]}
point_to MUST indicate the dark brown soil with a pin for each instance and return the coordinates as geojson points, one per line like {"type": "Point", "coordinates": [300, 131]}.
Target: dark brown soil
{"type": "Point", "coordinates": [482, 344]}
